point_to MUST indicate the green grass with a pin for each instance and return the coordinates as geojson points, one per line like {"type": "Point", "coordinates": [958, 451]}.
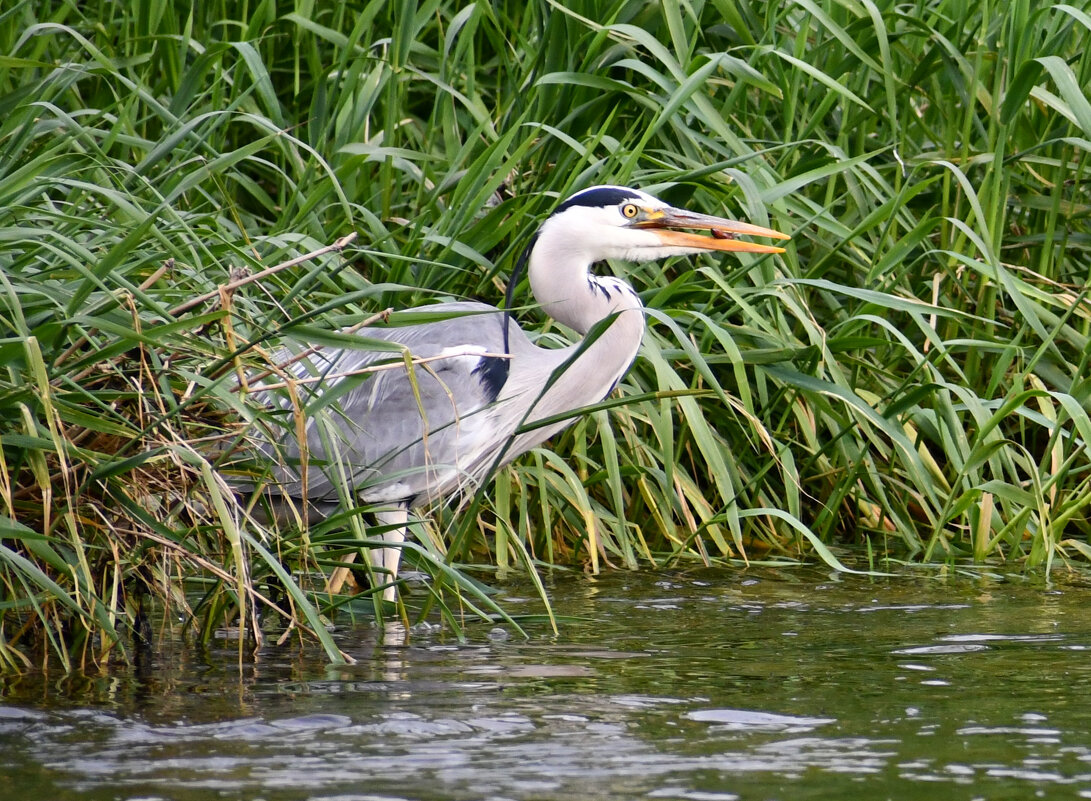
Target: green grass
{"type": "Point", "coordinates": [911, 376]}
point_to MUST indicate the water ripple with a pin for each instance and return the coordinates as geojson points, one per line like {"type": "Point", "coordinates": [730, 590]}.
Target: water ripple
{"type": "Point", "coordinates": [758, 721]}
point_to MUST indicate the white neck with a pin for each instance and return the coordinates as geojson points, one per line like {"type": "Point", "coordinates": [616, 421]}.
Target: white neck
{"type": "Point", "coordinates": [563, 284]}
{"type": "Point", "coordinates": [569, 293]}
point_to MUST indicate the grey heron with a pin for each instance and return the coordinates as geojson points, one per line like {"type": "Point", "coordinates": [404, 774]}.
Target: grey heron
{"type": "Point", "coordinates": [468, 399]}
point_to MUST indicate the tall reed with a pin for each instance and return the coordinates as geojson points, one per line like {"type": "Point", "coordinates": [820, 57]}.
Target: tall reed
{"type": "Point", "coordinates": [911, 376]}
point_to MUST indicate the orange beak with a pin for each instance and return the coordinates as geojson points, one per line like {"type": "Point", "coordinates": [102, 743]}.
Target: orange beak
{"type": "Point", "coordinates": [724, 232]}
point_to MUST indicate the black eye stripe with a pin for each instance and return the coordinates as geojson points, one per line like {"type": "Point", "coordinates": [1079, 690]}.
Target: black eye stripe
{"type": "Point", "coordinates": [600, 197]}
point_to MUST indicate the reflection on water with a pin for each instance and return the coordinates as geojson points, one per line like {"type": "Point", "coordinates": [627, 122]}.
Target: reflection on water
{"type": "Point", "coordinates": [706, 686]}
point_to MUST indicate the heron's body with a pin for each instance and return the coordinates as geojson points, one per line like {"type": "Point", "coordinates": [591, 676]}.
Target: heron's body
{"type": "Point", "coordinates": [408, 436]}
{"type": "Point", "coordinates": [409, 446]}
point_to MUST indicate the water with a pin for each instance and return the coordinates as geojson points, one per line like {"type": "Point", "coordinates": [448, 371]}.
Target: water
{"type": "Point", "coordinates": [708, 686]}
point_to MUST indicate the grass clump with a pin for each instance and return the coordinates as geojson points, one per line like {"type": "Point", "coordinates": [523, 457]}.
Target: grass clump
{"type": "Point", "coordinates": [911, 375]}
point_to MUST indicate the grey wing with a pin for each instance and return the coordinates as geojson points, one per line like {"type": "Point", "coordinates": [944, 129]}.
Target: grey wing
{"type": "Point", "coordinates": [388, 430]}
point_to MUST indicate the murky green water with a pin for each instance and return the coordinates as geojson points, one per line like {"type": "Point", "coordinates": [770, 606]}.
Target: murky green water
{"type": "Point", "coordinates": [706, 686]}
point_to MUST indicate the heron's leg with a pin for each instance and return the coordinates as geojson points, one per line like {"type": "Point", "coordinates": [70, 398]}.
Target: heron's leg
{"type": "Point", "coordinates": [389, 558]}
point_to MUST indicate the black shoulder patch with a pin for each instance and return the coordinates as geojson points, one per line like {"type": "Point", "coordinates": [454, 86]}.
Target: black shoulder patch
{"type": "Point", "coordinates": [599, 197]}
{"type": "Point", "coordinates": [492, 372]}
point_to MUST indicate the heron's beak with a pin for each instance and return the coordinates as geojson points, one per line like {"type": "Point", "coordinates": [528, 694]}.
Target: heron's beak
{"type": "Point", "coordinates": [724, 232]}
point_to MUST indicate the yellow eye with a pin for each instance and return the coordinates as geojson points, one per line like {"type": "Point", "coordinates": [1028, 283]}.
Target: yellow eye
{"type": "Point", "coordinates": [630, 210]}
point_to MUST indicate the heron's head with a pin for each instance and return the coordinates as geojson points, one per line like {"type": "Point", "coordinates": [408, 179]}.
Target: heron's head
{"type": "Point", "coordinates": [615, 222]}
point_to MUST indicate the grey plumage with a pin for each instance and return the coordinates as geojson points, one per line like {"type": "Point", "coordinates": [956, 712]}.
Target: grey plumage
{"type": "Point", "coordinates": [400, 443]}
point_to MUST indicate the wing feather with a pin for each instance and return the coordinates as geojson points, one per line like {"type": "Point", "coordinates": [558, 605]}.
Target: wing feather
{"type": "Point", "coordinates": [392, 430]}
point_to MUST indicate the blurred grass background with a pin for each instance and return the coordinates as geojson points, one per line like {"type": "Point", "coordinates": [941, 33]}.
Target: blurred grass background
{"type": "Point", "coordinates": [909, 382]}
